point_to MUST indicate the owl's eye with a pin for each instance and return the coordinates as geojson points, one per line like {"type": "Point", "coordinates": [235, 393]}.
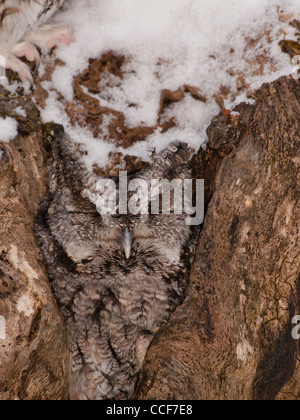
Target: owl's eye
{"type": "Point", "coordinates": [86, 261]}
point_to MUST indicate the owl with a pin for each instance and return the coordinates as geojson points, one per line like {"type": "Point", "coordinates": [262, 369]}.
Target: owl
{"type": "Point", "coordinates": [117, 277]}
{"type": "Point", "coordinates": [22, 28]}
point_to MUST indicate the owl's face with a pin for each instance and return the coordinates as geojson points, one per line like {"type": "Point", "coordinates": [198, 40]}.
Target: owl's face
{"type": "Point", "coordinates": [91, 238]}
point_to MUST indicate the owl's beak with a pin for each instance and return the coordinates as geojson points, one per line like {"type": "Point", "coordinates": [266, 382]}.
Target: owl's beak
{"type": "Point", "coordinates": [127, 242]}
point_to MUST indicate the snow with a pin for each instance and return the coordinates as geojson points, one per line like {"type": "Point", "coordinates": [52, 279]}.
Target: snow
{"type": "Point", "coordinates": [20, 111]}
{"type": "Point", "coordinates": [168, 44]}
{"type": "Point", "coordinates": [8, 129]}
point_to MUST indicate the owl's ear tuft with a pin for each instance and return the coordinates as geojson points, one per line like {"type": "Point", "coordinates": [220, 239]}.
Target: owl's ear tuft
{"type": "Point", "coordinates": [151, 153]}
{"type": "Point", "coordinates": [51, 132]}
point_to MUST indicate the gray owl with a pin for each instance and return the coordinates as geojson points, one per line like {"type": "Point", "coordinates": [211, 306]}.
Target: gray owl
{"type": "Point", "coordinates": [116, 277]}
{"type": "Point", "coordinates": [22, 27]}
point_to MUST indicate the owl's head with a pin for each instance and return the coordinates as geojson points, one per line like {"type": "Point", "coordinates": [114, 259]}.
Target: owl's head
{"type": "Point", "coordinates": [123, 220]}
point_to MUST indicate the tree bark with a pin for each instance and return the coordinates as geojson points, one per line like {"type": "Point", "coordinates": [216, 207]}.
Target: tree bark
{"type": "Point", "coordinates": [232, 337]}
{"type": "Point", "coordinates": [32, 338]}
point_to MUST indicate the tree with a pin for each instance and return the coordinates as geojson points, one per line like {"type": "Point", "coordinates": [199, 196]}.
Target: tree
{"type": "Point", "coordinates": [232, 337]}
{"type": "Point", "coordinates": [33, 350]}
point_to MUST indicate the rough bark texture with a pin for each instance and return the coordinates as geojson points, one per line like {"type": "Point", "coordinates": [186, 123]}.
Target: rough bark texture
{"type": "Point", "coordinates": [232, 337]}
{"type": "Point", "coordinates": [32, 339]}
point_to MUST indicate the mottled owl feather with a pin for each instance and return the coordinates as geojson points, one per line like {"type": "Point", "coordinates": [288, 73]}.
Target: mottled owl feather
{"type": "Point", "coordinates": [112, 303]}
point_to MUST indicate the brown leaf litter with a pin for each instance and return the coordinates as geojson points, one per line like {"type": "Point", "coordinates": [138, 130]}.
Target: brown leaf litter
{"type": "Point", "coordinates": [109, 124]}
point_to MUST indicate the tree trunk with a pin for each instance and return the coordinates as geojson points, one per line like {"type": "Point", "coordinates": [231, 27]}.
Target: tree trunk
{"type": "Point", "coordinates": [232, 337]}
{"type": "Point", "coordinates": [32, 338]}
